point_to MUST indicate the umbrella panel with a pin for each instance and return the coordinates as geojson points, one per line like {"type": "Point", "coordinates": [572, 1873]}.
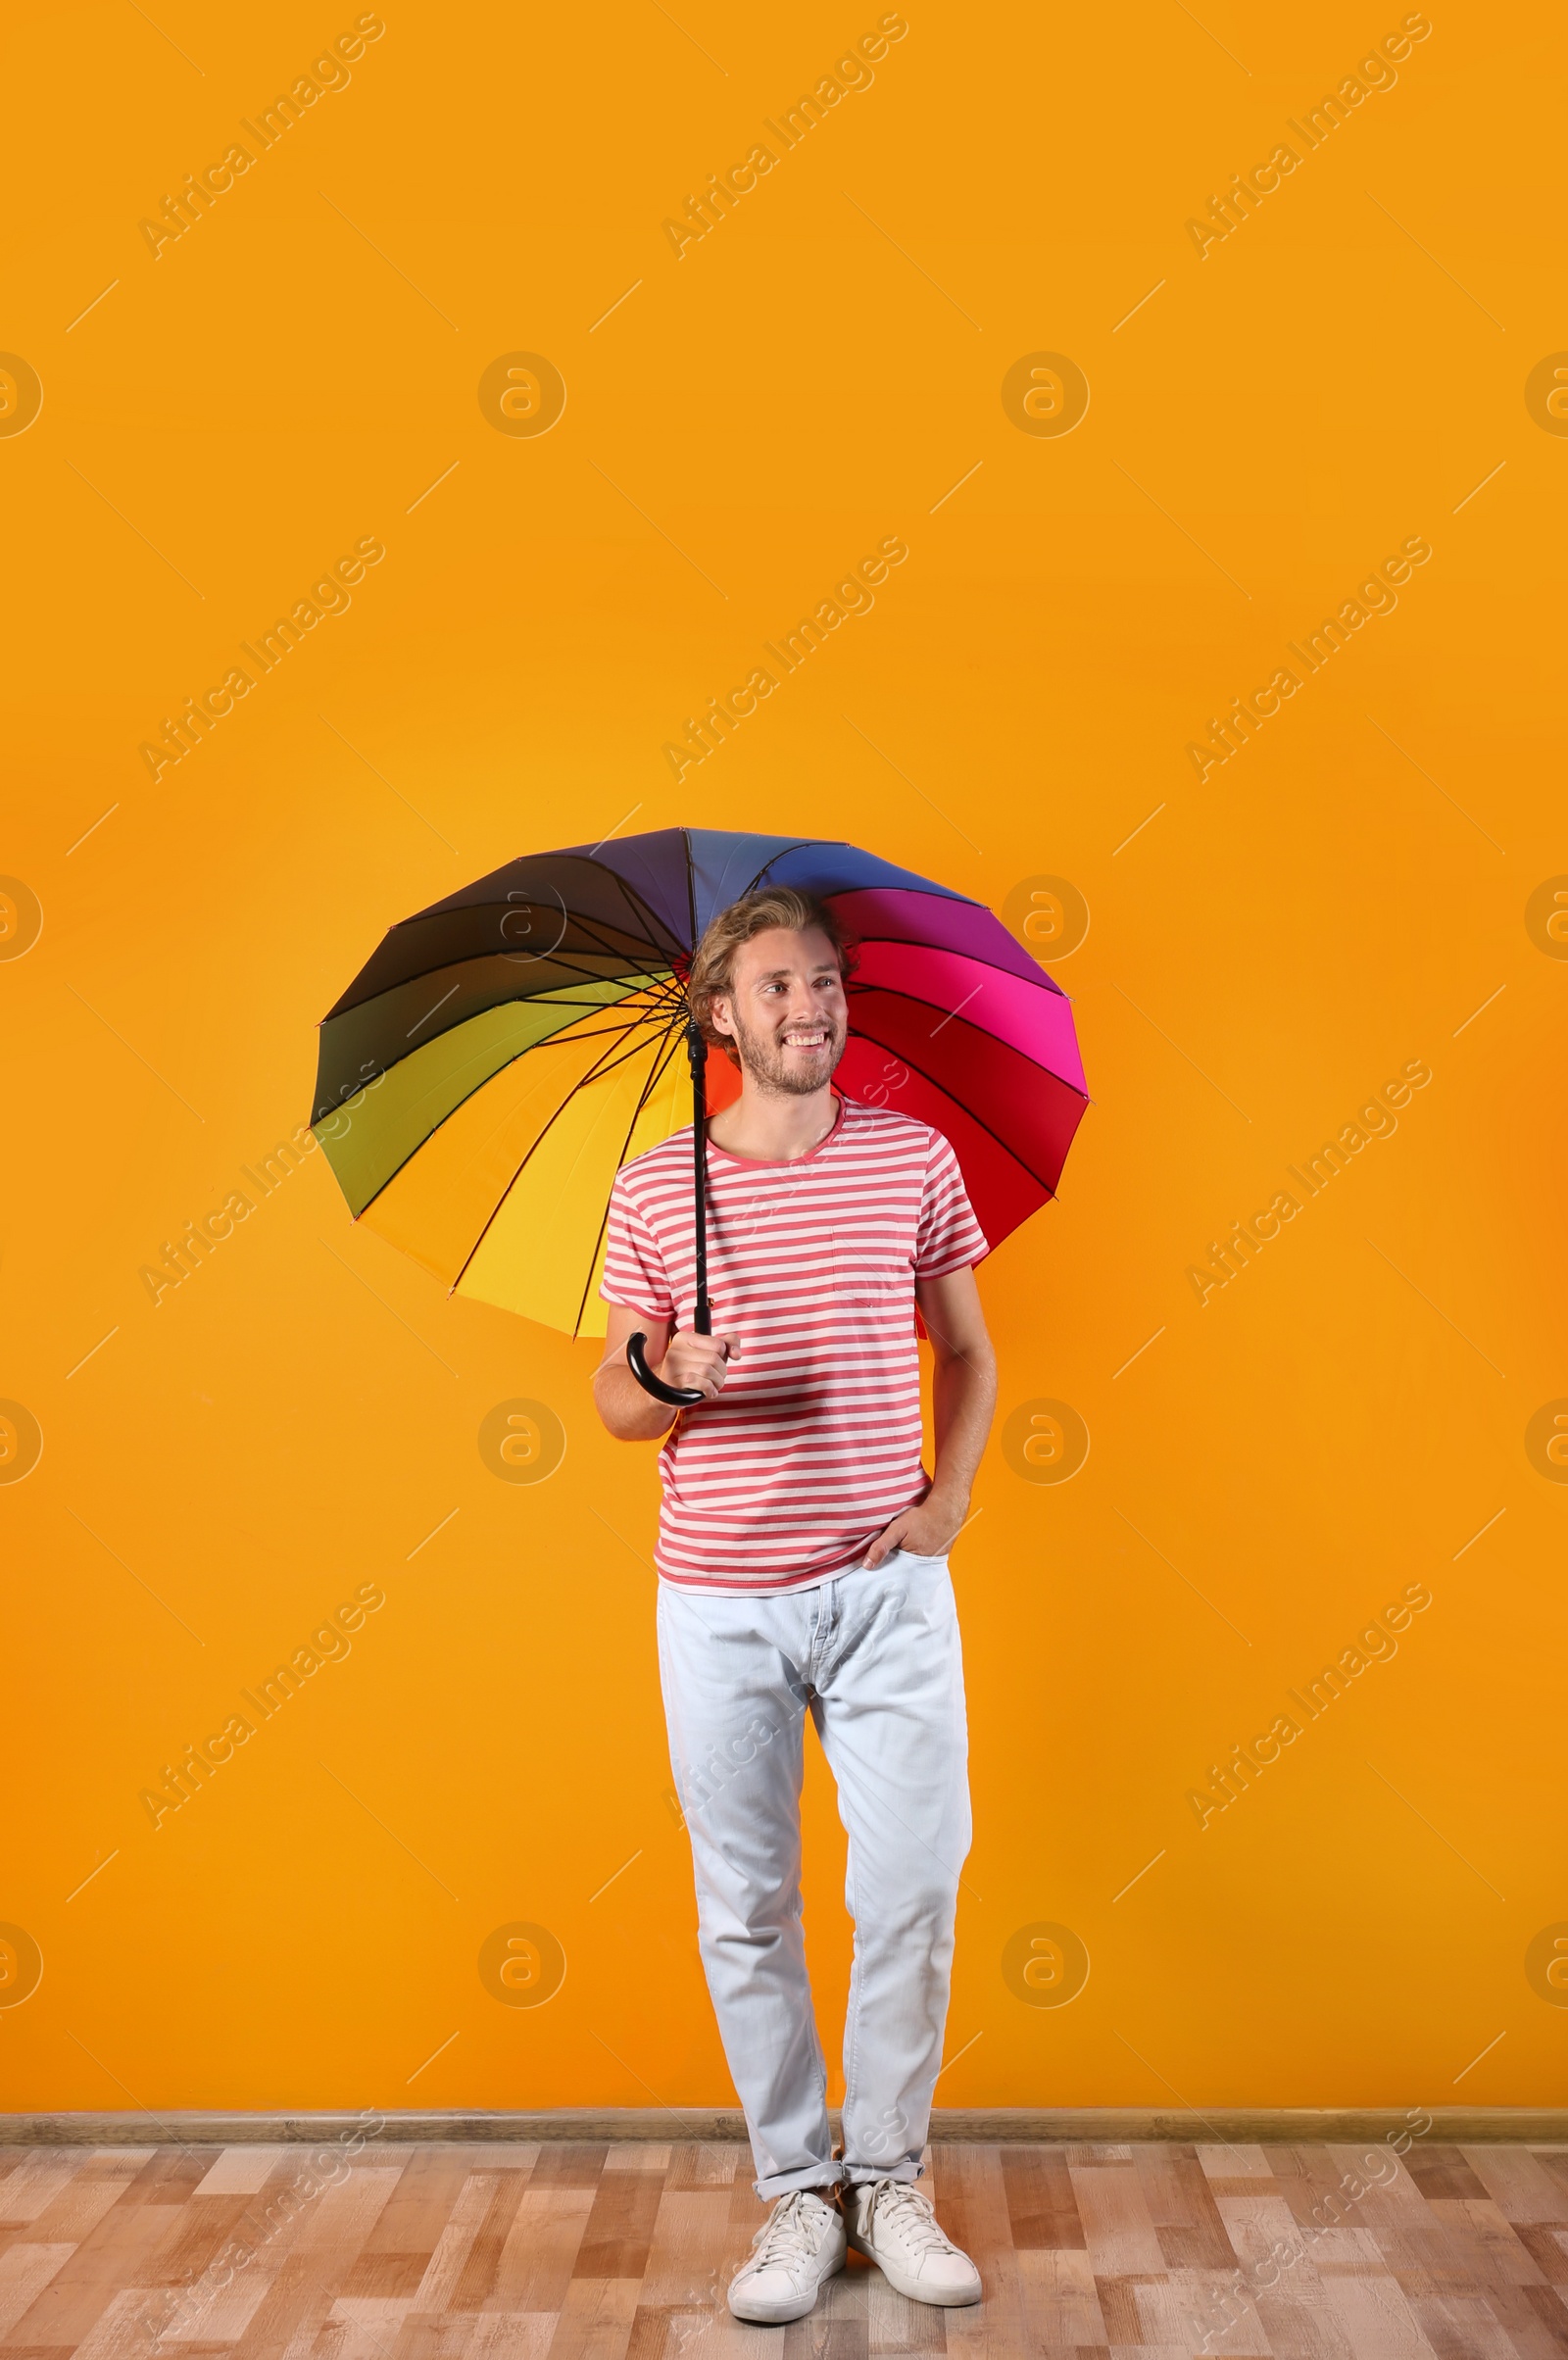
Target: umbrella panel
{"type": "Point", "coordinates": [1036, 1023]}
{"type": "Point", "coordinates": [367, 1142]}
{"type": "Point", "coordinates": [437, 1206]}
{"type": "Point", "coordinates": [376, 1034]}
{"type": "Point", "coordinates": [543, 1253]}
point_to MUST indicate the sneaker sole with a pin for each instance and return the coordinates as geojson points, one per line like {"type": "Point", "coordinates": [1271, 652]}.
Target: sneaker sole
{"type": "Point", "coordinates": [944, 2298]}
{"type": "Point", "coordinates": [778, 2315]}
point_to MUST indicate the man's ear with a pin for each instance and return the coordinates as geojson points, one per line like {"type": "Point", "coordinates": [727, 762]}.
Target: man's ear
{"type": "Point", "coordinates": [718, 1016]}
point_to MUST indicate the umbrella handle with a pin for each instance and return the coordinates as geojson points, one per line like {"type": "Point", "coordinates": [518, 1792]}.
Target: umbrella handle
{"type": "Point", "coordinates": [679, 1397]}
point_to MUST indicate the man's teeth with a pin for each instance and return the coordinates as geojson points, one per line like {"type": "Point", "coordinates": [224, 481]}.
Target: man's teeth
{"type": "Point", "coordinates": [806, 1040]}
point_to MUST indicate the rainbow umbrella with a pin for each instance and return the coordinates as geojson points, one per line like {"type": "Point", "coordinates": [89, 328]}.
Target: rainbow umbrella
{"type": "Point", "coordinates": [489, 1070]}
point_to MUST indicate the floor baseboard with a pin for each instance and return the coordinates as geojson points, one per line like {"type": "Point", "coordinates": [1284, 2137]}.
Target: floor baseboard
{"type": "Point", "coordinates": [1242, 2126]}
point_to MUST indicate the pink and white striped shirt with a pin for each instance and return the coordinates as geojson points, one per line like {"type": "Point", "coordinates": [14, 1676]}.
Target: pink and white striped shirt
{"type": "Point", "coordinates": [815, 1443]}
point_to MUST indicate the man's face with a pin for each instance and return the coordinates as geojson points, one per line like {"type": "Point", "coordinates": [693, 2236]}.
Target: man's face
{"type": "Point", "coordinates": [786, 1010]}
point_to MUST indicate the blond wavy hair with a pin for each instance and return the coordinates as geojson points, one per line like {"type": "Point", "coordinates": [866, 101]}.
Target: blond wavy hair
{"type": "Point", "coordinates": [712, 967]}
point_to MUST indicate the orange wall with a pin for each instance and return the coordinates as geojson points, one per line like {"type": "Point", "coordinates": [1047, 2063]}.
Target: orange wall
{"type": "Point", "coordinates": [1268, 945]}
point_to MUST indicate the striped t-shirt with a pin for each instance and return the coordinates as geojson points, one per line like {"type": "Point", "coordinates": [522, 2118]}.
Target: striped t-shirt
{"type": "Point", "coordinates": [813, 1445]}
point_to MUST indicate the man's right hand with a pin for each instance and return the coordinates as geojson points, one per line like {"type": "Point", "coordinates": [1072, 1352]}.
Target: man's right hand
{"type": "Point", "coordinates": [700, 1361]}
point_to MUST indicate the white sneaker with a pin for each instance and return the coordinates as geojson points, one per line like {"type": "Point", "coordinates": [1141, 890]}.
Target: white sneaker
{"type": "Point", "coordinates": [893, 2224]}
{"type": "Point", "coordinates": [800, 2245]}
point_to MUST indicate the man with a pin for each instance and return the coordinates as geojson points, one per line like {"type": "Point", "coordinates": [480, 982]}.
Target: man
{"type": "Point", "coordinates": [803, 1556]}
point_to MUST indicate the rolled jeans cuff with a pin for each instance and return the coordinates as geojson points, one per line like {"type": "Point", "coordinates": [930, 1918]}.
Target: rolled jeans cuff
{"type": "Point", "coordinates": [866, 2175]}
{"type": "Point", "coordinates": [826, 2177]}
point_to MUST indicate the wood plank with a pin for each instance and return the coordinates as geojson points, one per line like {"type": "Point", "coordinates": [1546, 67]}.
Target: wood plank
{"type": "Point", "coordinates": [1532, 2319]}
{"type": "Point", "coordinates": [1392, 2198]}
{"type": "Point", "coordinates": [1444, 2171]}
{"type": "Point", "coordinates": [1259, 2228]}
{"type": "Point", "coordinates": [36, 2181]}
{"type": "Point", "coordinates": [620, 2229]}
{"type": "Point", "coordinates": [1118, 2306]}
{"type": "Point", "coordinates": [1235, 2163]}
{"type": "Point", "coordinates": [594, 2320]}
{"type": "Point", "coordinates": [1378, 2322]}
{"type": "Point", "coordinates": [121, 2253]}
{"type": "Point", "coordinates": [1548, 2248]}
{"type": "Point", "coordinates": [450, 2253]}
{"type": "Point", "coordinates": [478, 2280]}
{"type": "Point", "coordinates": [1488, 2245]}
{"type": "Point", "coordinates": [1117, 2229]}
{"type": "Point", "coordinates": [1519, 2185]}
{"type": "Point", "coordinates": [24, 2271]}
{"type": "Point", "coordinates": [76, 2212]}
{"type": "Point", "coordinates": [205, 2225]}
{"type": "Point", "coordinates": [1300, 2326]}
{"type": "Point", "coordinates": [218, 2309]}
{"type": "Point", "coordinates": [535, 2265]}
{"type": "Point", "coordinates": [1463, 2327]}
{"type": "Point", "coordinates": [692, 2253]}
{"type": "Point", "coordinates": [324, 2247]}
{"type": "Point", "coordinates": [837, 2329]}
{"type": "Point", "coordinates": [123, 2328]}
{"type": "Point", "coordinates": [1177, 2310]}
{"type": "Point", "coordinates": [475, 2335]}
{"type": "Point", "coordinates": [968, 2192]}
{"type": "Point", "coordinates": [396, 2254]}
{"type": "Point", "coordinates": [893, 2324]}
{"type": "Point", "coordinates": [1181, 2201]}
{"type": "Point", "coordinates": [1060, 2299]}
{"type": "Point", "coordinates": [570, 2165]}
{"type": "Point", "coordinates": [240, 2171]}
{"type": "Point", "coordinates": [1042, 2208]}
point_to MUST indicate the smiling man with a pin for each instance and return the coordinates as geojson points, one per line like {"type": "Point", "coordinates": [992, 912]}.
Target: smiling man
{"type": "Point", "coordinates": [802, 1560]}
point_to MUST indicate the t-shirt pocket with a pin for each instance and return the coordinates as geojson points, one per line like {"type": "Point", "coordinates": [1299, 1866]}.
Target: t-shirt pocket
{"type": "Point", "coordinates": [879, 1278]}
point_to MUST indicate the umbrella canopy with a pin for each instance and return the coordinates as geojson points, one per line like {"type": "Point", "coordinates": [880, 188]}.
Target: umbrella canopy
{"type": "Point", "coordinates": [506, 1050]}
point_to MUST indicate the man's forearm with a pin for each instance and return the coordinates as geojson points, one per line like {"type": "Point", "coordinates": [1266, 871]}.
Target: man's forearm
{"type": "Point", "coordinates": [964, 1401]}
{"type": "Point", "coordinates": [631, 1415]}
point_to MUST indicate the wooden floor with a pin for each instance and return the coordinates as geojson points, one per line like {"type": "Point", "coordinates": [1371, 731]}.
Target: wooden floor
{"type": "Point", "coordinates": [563, 2253]}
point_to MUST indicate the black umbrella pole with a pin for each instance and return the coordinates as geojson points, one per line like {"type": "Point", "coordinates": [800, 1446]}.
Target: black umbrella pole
{"type": "Point", "coordinates": [682, 1397]}
{"type": "Point", "coordinates": [696, 1058]}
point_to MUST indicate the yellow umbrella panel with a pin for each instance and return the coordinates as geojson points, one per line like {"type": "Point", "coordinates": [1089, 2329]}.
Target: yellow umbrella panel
{"type": "Point", "coordinates": [487, 1155]}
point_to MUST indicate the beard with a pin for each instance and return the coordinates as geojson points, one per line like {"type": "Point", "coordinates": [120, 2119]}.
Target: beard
{"type": "Point", "coordinates": [788, 1072]}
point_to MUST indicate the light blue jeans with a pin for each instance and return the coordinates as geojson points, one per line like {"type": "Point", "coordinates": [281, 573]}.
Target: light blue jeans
{"type": "Point", "coordinates": [874, 1658]}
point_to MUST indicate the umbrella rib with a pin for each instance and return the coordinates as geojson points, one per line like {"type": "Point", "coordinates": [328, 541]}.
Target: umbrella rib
{"type": "Point", "coordinates": [577, 974]}
{"type": "Point", "coordinates": [531, 1048]}
{"type": "Point", "coordinates": [893, 992]}
{"type": "Point", "coordinates": [899, 942]}
{"type": "Point", "coordinates": [584, 976]}
{"type": "Point", "coordinates": [803, 846]}
{"type": "Point", "coordinates": [942, 893]}
{"type": "Point", "coordinates": [600, 1067]}
{"type": "Point", "coordinates": [978, 1120]}
{"type": "Point", "coordinates": [605, 1064]}
{"type": "Point", "coordinates": [641, 909]}
{"type": "Point", "coordinates": [649, 1087]}
{"type": "Point", "coordinates": [593, 927]}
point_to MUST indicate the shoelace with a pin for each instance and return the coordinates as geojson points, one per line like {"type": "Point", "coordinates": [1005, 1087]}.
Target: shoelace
{"type": "Point", "coordinates": [907, 2211]}
{"type": "Point", "coordinates": [787, 2236]}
